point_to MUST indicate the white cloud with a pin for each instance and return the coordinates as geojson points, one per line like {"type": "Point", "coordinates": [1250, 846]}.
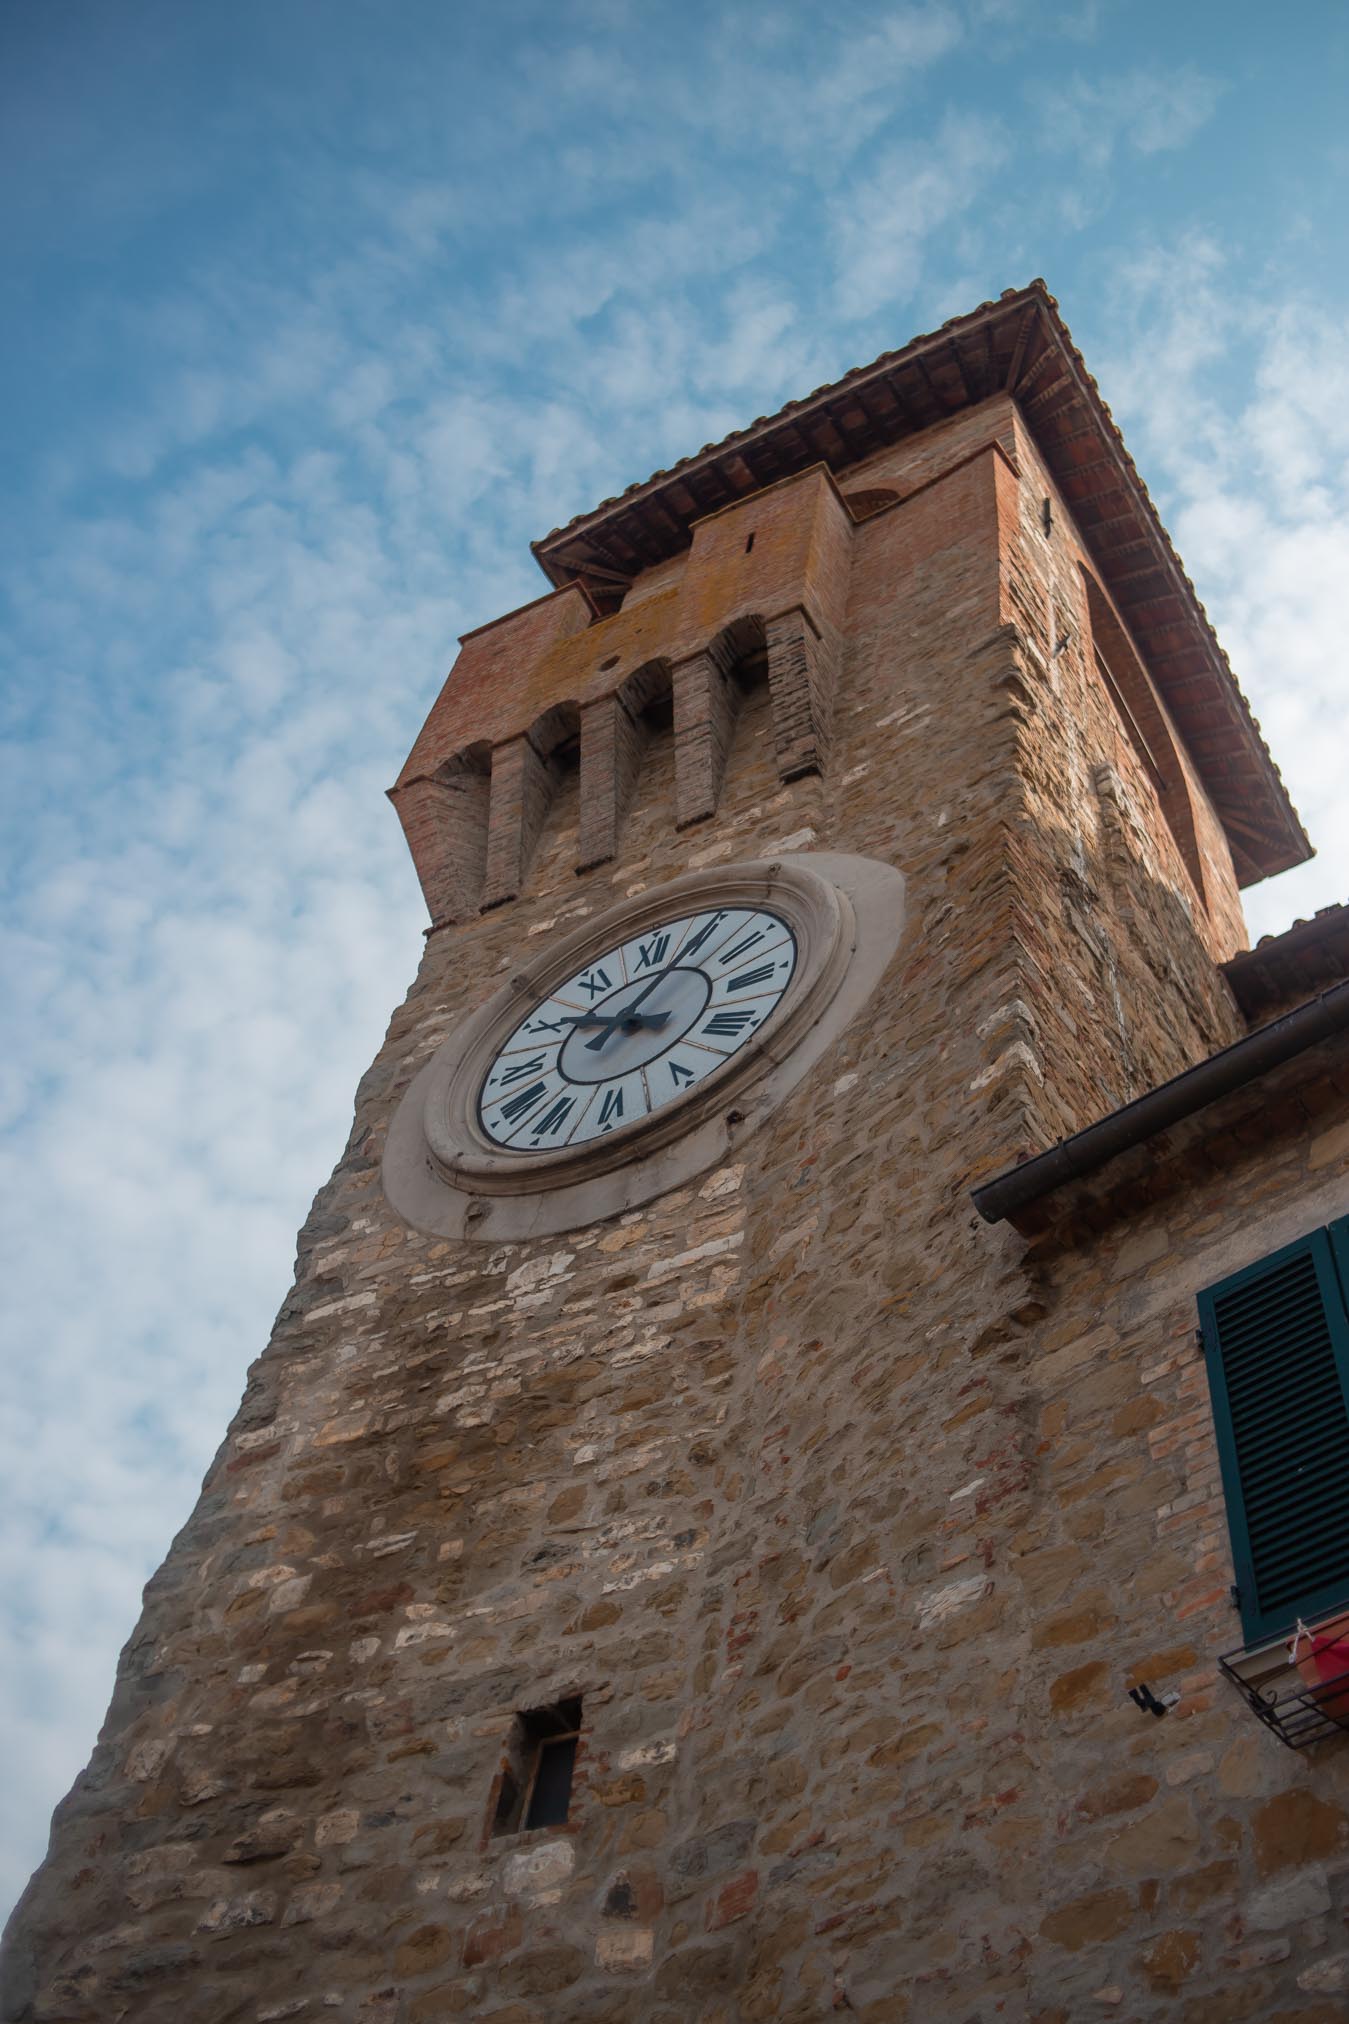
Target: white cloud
{"type": "Point", "coordinates": [911, 198]}
{"type": "Point", "coordinates": [1151, 111]}
{"type": "Point", "coordinates": [306, 449]}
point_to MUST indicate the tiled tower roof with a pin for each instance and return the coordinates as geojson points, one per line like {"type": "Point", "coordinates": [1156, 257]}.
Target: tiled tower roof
{"type": "Point", "coordinates": [1019, 345]}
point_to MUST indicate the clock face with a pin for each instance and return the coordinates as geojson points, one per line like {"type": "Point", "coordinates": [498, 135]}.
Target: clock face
{"type": "Point", "coordinates": [636, 1027]}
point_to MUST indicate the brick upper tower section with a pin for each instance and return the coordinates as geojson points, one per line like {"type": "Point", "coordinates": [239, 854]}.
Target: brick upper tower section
{"type": "Point", "coordinates": [744, 553]}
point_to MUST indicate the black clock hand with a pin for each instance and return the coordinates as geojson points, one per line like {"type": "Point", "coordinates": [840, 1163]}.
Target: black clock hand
{"type": "Point", "coordinates": [642, 996]}
{"type": "Point", "coordinates": [608, 1019]}
{"type": "Point", "coordinates": [630, 1023]}
{"type": "Point", "coordinates": [622, 1018]}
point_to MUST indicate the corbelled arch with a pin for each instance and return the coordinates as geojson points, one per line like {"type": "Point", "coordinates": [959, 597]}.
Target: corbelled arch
{"type": "Point", "coordinates": [445, 816]}
{"type": "Point", "coordinates": [615, 732]}
{"type": "Point", "coordinates": [525, 774]}
{"type": "Point", "coordinates": [707, 687]}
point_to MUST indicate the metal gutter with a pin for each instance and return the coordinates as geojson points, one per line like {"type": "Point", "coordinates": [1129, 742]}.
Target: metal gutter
{"type": "Point", "coordinates": [1243, 1062]}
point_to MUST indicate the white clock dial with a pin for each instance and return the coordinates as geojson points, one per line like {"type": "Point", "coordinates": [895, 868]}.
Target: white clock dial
{"type": "Point", "coordinates": [636, 1028]}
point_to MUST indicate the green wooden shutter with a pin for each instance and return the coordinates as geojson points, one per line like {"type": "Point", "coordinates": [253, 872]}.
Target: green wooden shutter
{"type": "Point", "coordinates": [1276, 1340]}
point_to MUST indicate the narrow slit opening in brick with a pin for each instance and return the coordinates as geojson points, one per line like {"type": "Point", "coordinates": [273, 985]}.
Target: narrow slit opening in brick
{"type": "Point", "coordinates": [540, 1762]}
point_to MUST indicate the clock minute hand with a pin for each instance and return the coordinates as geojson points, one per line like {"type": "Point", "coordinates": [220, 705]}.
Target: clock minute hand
{"type": "Point", "coordinates": [642, 996]}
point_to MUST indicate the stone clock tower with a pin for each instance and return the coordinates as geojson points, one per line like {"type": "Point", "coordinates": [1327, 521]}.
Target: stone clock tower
{"type": "Point", "coordinates": [686, 1549]}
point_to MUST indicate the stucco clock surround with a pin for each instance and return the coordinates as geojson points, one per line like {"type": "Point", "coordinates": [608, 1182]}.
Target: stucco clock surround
{"type": "Point", "coordinates": [641, 1049]}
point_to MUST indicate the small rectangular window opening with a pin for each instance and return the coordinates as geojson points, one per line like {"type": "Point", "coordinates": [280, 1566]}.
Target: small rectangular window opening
{"type": "Point", "coordinates": [536, 1778]}
{"type": "Point", "coordinates": [749, 544]}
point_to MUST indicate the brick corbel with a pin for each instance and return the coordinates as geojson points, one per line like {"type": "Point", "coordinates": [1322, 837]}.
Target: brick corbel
{"type": "Point", "coordinates": [801, 685]}
{"type": "Point", "coordinates": [704, 721]}
{"type": "Point", "coordinates": [522, 787]}
{"type": "Point", "coordinates": [444, 818]}
{"type": "Point", "coordinates": [612, 744]}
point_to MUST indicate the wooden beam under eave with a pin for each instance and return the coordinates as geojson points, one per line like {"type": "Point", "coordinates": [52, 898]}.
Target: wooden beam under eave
{"type": "Point", "coordinates": [903, 405]}
{"type": "Point", "coordinates": [773, 459]}
{"type": "Point", "coordinates": [1167, 608]}
{"type": "Point", "coordinates": [1198, 695]}
{"type": "Point", "coordinates": [1097, 527]}
{"type": "Point", "coordinates": [673, 529]}
{"type": "Point", "coordinates": [939, 399]}
{"type": "Point", "coordinates": [1082, 447]}
{"type": "Point", "coordinates": [878, 403]}
{"type": "Point", "coordinates": [956, 350]}
{"type": "Point", "coordinates": [1196, 661]}
{"type": "Point", "coordinates": [1143, 549]}
{"type": "Point", "coordinates": [825, 439]}
{"type": "Point", "coordinates": [1036, 401]}
{"type": "Point", "coordinates": [1124, 584]}
{"type": "Point", "coordinates": [1256, 832]}
{"type": "Point", "coordinates": [1029, 320]}
{"type": "Point", "coordinates": [1032, 372]}
{"type": "Point", "coordinates": [643, 538]}
{"type": "Point", "coordinates": [767, 460]}
{"type": "Point", "coordinates": [991, 381]}
{"type": "Point", "coordinates": [857, 435]}
{"type": "Point", "coordinates": [1051, 422]}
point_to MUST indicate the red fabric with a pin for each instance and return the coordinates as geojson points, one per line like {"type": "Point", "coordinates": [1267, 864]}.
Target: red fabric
{"type": "Point", "coordinates": [1322, 1659]}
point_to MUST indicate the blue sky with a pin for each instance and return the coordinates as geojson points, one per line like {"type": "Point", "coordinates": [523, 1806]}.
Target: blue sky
{"type": "Point", "coordinates": [316, 313]}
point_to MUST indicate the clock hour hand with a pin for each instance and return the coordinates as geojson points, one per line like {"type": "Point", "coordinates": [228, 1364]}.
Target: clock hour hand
{"type": "Point", "coordinates": [631, 1021]}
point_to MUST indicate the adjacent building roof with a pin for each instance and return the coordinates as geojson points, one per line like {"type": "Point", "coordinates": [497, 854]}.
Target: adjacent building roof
{"type": "Point", "coordinates": [1017, 1191]}
{"type": "Point", "coordinates": [1284, 969]}
{"type": "Point", "coordinates": [1018, 345]}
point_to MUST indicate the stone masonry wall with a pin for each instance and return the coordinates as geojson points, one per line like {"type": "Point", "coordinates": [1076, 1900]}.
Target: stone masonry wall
{"type": "Point", "coordinates": [1200, 1870]}
{"type": "Point", "coordinates": [816, 1490]}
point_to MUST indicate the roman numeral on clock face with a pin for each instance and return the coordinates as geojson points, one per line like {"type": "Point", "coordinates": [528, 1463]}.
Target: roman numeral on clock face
{"type": "Point", "coordinates": [519, 1068]}
{"type": "Point", "coordinates": [704, 934]}
{"type": "Point", "coordinates": [595, 981]}
{"type": "Point", "coordinates": [727, 1024]}
{"type": "Point", "coordinates": [649, 954]}
{"type": "Point", "coordinates": [553, 1118]}
{"type": "Point", "coordinates": [742, 946]}
{"type": "Point", "coordinates": [611, 1110]}
{"type": "Point", "coordinates": [749, 978]}
{"type": "Point", "coordinates": [524, 1100]}
{"type": "Point", "coordinates": [679, 1074]}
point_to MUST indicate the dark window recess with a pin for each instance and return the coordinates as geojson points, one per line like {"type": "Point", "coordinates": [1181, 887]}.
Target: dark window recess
{"type": "Point", "coordinates": [1276, 1342]}
{"type": "Point", "coordinates": [536, 1778]}
{"type": "Point", "coordinates": [551, 1796]}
